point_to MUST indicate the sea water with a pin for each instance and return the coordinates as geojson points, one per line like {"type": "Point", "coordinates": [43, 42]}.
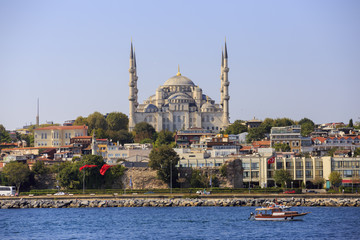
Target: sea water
{"type": "Point", "coordinates": [175, 223]}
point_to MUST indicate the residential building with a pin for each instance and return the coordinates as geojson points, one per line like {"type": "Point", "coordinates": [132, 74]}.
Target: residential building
{"type": "Point", "coordinates": [56, 136]}
{"type": "Point", "coordinates": [290, 135]}
{"type": "Point", "coordinates": [322, 145]}
{"type": "Point", "coordinates": [184, 138]}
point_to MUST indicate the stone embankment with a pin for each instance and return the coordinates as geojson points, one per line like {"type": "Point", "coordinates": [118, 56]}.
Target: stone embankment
{"type": "Point", "coordinates": [185, 202]}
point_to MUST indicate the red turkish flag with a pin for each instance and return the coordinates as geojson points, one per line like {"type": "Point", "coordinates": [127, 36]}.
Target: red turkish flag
{"type": "Point", "coordinates": [87, 166]}
{"type": "Point", "coordinates": [104, 168]}
{"type": "Point", "coordinates": [271, 160]}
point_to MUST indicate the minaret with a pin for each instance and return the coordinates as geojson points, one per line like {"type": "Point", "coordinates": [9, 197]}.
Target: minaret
{"type": "Point", "coordinates": [135, 82]}
{"type": "Point", "coordinates": [37, 115]}
{"type": "Point", "coordinates": [222, 79]}
{"type": "Point", "coordinates": [226, 83]}
{"type": "Point", "coordinates": [132, 88]}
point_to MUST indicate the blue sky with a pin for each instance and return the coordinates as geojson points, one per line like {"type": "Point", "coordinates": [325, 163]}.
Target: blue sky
{"type": "Point", "coordinates": [287, 58]}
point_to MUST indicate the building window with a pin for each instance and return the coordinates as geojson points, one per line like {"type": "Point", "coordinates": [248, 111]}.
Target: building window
{"type": "Point", "coordinates": [299, 173]}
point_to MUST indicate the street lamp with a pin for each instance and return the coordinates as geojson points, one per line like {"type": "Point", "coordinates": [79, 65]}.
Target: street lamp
{"type": "Point", "coordinates": [292, 184]}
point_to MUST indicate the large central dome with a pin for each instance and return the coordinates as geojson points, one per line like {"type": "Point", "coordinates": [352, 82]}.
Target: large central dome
{"type": "Point", "coordinates": [178, 80]}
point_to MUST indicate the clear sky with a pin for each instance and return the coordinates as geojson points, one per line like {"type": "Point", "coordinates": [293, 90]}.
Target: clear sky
{"type": "Point", "coordinates": [287, 58]}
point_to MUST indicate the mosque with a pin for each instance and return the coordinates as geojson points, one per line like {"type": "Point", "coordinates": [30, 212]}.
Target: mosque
{"type": "Point", "coordinates": [179, 104]}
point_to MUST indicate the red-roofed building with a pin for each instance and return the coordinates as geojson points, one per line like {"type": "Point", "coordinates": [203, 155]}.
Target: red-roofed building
{"type": "Point", "coordinates": [56, 136]}
{"type": "Point", "coordinates": [260, 144]}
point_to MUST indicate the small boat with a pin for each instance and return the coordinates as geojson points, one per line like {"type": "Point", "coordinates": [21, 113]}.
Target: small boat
{"type": "Point", "coordinates": [275, 214]}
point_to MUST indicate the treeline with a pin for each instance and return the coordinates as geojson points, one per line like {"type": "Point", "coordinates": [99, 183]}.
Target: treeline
{"type": "Point", "coordinates": [66, 174]}
{"type": "Point", "coordinates": [114, 126]}
{"type": "Point", "coordinates": [5, 137]}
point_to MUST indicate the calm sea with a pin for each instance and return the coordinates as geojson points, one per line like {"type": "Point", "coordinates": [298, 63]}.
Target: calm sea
{"type": "Point", "coordinates": [175, 223]}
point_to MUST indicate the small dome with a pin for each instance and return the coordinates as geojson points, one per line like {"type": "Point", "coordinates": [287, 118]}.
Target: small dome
{"type": "Point", "coordinates": [207, 105]}
{"type": "Point", "coordinates": [178, 80]}
{"type": "Point", "coordinates": [150, 108]}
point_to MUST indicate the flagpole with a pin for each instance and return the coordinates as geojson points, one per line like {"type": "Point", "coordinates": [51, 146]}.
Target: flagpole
{"type": "Point", "coordinates": [84, 182]}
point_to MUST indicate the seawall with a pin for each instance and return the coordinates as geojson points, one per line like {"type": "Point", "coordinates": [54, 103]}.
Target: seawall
{"type": "Point", "coordinates": [175, 202]}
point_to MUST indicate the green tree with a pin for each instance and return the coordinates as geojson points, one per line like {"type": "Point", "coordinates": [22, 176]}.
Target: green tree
{"type": "Point", "coordinates": [117, 121]}
{"type": "Point", "coordinates": [17, 174]}
{"type": "Point", "coordinates": [357, 152]}
{"type": "Point", "coordinates": [4, 135]}
{"type": "Point", "coordinates": [319, 182]}
{"type": "Point", "coordinates": [281, 147]}
{"type": "Point", "coordinates": [307, 126]}
{"type": "Point", "coordinates": [267, 124]}
{"type": "Point", "coordinates": [164, 159]}
{"type": "Point", "coordinates": [121, 136]}
{"type": "Point", "coordinates": [80, 121]}
{"type": "Point", "coordinates": [39, 168]}
{"type": "Point", "coordinates": [335, 179]}
{"type": "Point", "coordinates": [96, 121]}
{"type": "Point", "coordinates": [165, 137]}
{"type": "Point", "coordinates": [351, 123]}
{"type": "Point", "coordinates": [113, 176]}
{"type": "Point", "coordinates": [198, 180]}
{"type": "Point", "coordinates": [236, 128]}
{"type": "Point", "coordinates": [68, 175]}
{"type": "Point", "coordinates": [144, 130]}
{"type": "Point", "coordinates": [283, 122]}
{"type": "Point", "coordinates": [282, 176]}
{"type": "Point", "coordinates": [255, 134]}
{"type": "Point", "coordinates": [332, 151]}
{"type": "Point", "coordinates": [93, 177]}
{"type": "Point", "coordinates": [100, 133]}
{"type": "Point", "coordinates": [223, 170]}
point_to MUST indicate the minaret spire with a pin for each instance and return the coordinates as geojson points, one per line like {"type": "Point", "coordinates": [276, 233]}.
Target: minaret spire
{"type": "Point", "coordinates": [132, 89]}
{"type": "Point", "coordinates": [135, 82]}
{"type": "Point", "coordinates": [222, 78]}
{"type": "Point", "coordinates": [226, 55]}
{"type": "Point", "coordinates": [131, 51]}
{"type": "Point", "coordinates": [225, 88]}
